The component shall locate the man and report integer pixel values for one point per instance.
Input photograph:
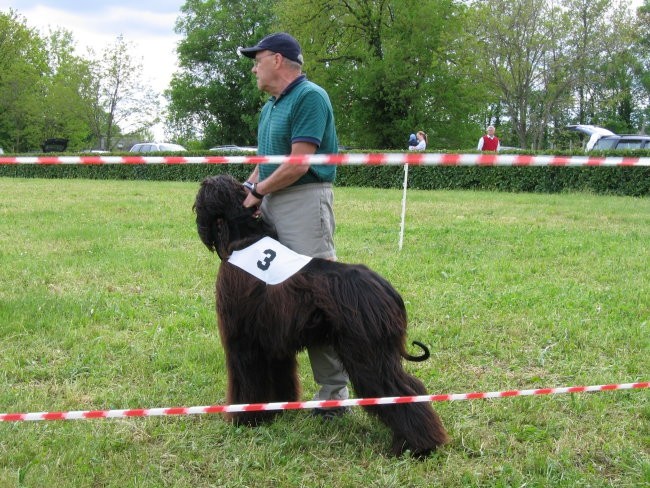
(489, 142)
(297, 199)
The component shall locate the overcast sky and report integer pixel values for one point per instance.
(147, 25)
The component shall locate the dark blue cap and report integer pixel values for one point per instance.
(280, 42)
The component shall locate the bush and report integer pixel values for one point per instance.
(629, 181)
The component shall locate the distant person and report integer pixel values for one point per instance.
(489, 142)
(421, 142)
(413, 140)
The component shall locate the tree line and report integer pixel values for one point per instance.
(448, 67)
(47, 90)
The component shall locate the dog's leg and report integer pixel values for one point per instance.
(378, 372)
(249, 381)
(284, 377)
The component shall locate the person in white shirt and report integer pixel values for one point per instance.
(422, 142)
(489, 142)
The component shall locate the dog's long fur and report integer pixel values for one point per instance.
(349, 307)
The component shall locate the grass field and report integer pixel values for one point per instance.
(106, 302)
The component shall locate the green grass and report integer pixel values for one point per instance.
(106, 302)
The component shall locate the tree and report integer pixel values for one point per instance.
(589, 24)
(642, 41)
(388, 67)
(624, 73)
(526, 62)
(22, 67)
(121, 103)
(214, 95)
(65, 113)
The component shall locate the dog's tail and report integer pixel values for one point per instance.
(422, 357)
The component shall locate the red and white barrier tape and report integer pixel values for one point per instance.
(415, 159)
(256, 407)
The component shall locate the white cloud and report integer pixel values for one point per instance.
(149, 34)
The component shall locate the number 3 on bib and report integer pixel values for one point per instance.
(270, 256)
(257, 258)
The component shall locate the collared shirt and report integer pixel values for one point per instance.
(302, 113)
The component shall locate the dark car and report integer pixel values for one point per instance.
(622, 142)
(601, 139)
(56, 144)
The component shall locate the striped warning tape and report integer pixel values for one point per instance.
(256, 407)
(374, 159)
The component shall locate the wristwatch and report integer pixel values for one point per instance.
(252, 187)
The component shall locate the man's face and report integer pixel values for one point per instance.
(263, 67)
(490, 131)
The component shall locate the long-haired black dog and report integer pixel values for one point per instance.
(349, 307)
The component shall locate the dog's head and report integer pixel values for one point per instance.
(221, 218)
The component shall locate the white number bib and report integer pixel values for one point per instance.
(269, 261)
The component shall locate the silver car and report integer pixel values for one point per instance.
(157, 147)
(233, 148)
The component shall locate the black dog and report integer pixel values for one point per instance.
(349, 307)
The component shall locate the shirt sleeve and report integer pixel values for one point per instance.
(309, 119)
(480, 144)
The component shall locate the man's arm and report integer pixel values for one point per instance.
(285, 175)
(255, 175)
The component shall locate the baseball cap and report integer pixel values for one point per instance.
(280, 42)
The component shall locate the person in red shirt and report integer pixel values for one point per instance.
(489, 142)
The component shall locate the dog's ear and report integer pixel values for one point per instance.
(215, 235)
(207, 215)
(221, 238)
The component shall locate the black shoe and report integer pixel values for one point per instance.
(328, 414)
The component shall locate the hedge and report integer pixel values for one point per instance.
(629, 181)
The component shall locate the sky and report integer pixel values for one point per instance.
(147, 25)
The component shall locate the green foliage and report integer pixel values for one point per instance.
(47, 91)
(22, 66)
(389, 67)
(630, 181)
(215, 94)
(128, 172)
(617, 181)
(67, 108)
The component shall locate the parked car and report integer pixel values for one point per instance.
(233, 148)
(601, 139)
(157, 147)
(56, 144)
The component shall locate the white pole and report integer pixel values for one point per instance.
(401, 232)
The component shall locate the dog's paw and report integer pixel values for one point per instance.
(250, 419)
(401, 447)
